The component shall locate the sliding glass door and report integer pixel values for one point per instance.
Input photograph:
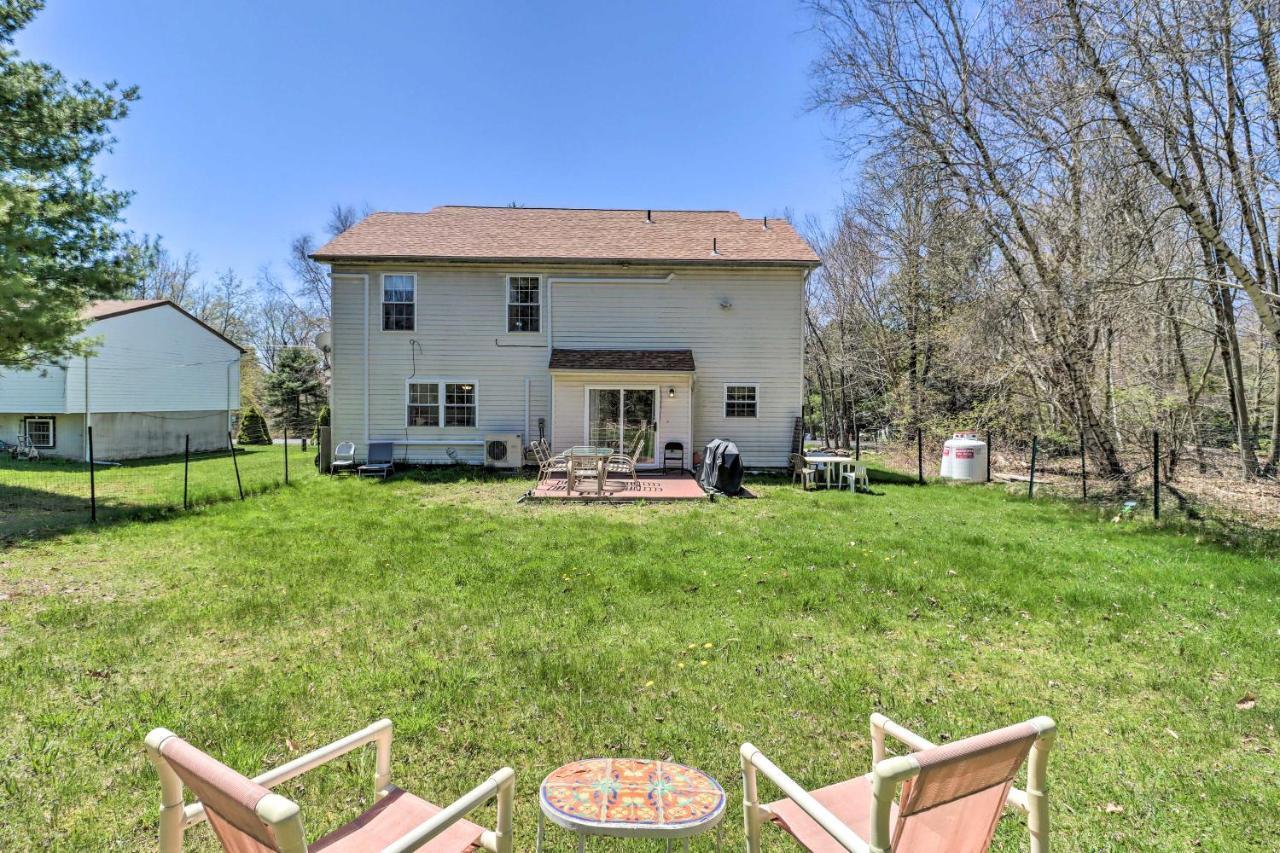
(616, 418)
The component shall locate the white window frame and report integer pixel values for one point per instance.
(441, 384)
(409, 404)
(507, 303)
(53, 431)
(382, 302)
(755, 386)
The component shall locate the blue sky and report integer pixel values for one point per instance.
(257, 116)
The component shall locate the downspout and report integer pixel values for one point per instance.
(366, 362)
(527, 380)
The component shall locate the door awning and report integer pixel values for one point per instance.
(652, 360)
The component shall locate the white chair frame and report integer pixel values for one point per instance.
(889, 774)
(858, 476)
(285, 818)
(344, 457)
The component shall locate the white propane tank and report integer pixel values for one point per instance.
(964, 458)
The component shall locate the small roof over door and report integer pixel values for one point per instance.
(663, 360)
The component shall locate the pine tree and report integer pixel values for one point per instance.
(58, 222)
(295, 391)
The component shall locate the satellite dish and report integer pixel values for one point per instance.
(324, 341)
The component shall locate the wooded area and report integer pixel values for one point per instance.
(1066, 224)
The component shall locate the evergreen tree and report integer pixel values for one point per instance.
(322, 420)
(60, 247)
(295, 391)
(253, 427)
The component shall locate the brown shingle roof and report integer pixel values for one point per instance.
(561, 234)
(111, 307)
(622, 359)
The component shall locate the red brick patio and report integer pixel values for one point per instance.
(650, 487)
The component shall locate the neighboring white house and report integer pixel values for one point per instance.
(156, 375)
(463, 323)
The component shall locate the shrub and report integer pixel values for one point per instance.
(253, 427)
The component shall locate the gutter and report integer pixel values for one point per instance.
(508, 261)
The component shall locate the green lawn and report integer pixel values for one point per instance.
(53, 494)
(494, 633)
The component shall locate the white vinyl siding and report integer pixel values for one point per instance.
(464, 337)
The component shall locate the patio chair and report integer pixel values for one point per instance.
(247, 818)
(380, 462)
(951, 799)
(548, 464)
(858, 477)
(344, 458)
(620, 463)
(801, 471)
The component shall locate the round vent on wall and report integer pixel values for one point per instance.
(496, 451)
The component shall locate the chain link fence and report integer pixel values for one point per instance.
(40, 495)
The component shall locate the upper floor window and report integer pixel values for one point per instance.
(740, 401)
(524, 313)
(397, 302)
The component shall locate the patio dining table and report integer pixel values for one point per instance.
(586, 456)
(830, 462)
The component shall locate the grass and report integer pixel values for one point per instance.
(53, 494)
(494, 633)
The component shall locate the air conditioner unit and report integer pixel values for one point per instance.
(504, 451)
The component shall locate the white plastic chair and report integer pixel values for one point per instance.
(858, 477)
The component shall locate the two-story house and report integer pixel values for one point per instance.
(583, 326)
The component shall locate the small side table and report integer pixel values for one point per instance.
(631, 798)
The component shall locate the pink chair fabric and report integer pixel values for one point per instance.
(389, 820)
(229, 798)
(849, 801)
(952, 806)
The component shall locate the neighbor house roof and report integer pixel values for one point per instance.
(107, 308)
(505, 234)
(622, 359)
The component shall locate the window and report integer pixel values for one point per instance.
(424, 404)
(39, 431)
(524, 314)
(740, 401)
(433, 404)
(459, 404)
(397, 302)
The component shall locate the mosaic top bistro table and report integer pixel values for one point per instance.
(631, 798)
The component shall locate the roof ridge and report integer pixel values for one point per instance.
(566, 209)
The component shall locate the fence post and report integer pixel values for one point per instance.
(919, 456)
(1155, 474)
(1084, 477)
(857, 440)
(186, 466)
(1035, 449)
(988, 456)
(234, 464)
(286, 455)
(93, 486)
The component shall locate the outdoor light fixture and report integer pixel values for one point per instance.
(671, 391)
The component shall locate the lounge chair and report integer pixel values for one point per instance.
(344, 458)
(952, 795)
(380, 462)
(801, 471)
(247, 818)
